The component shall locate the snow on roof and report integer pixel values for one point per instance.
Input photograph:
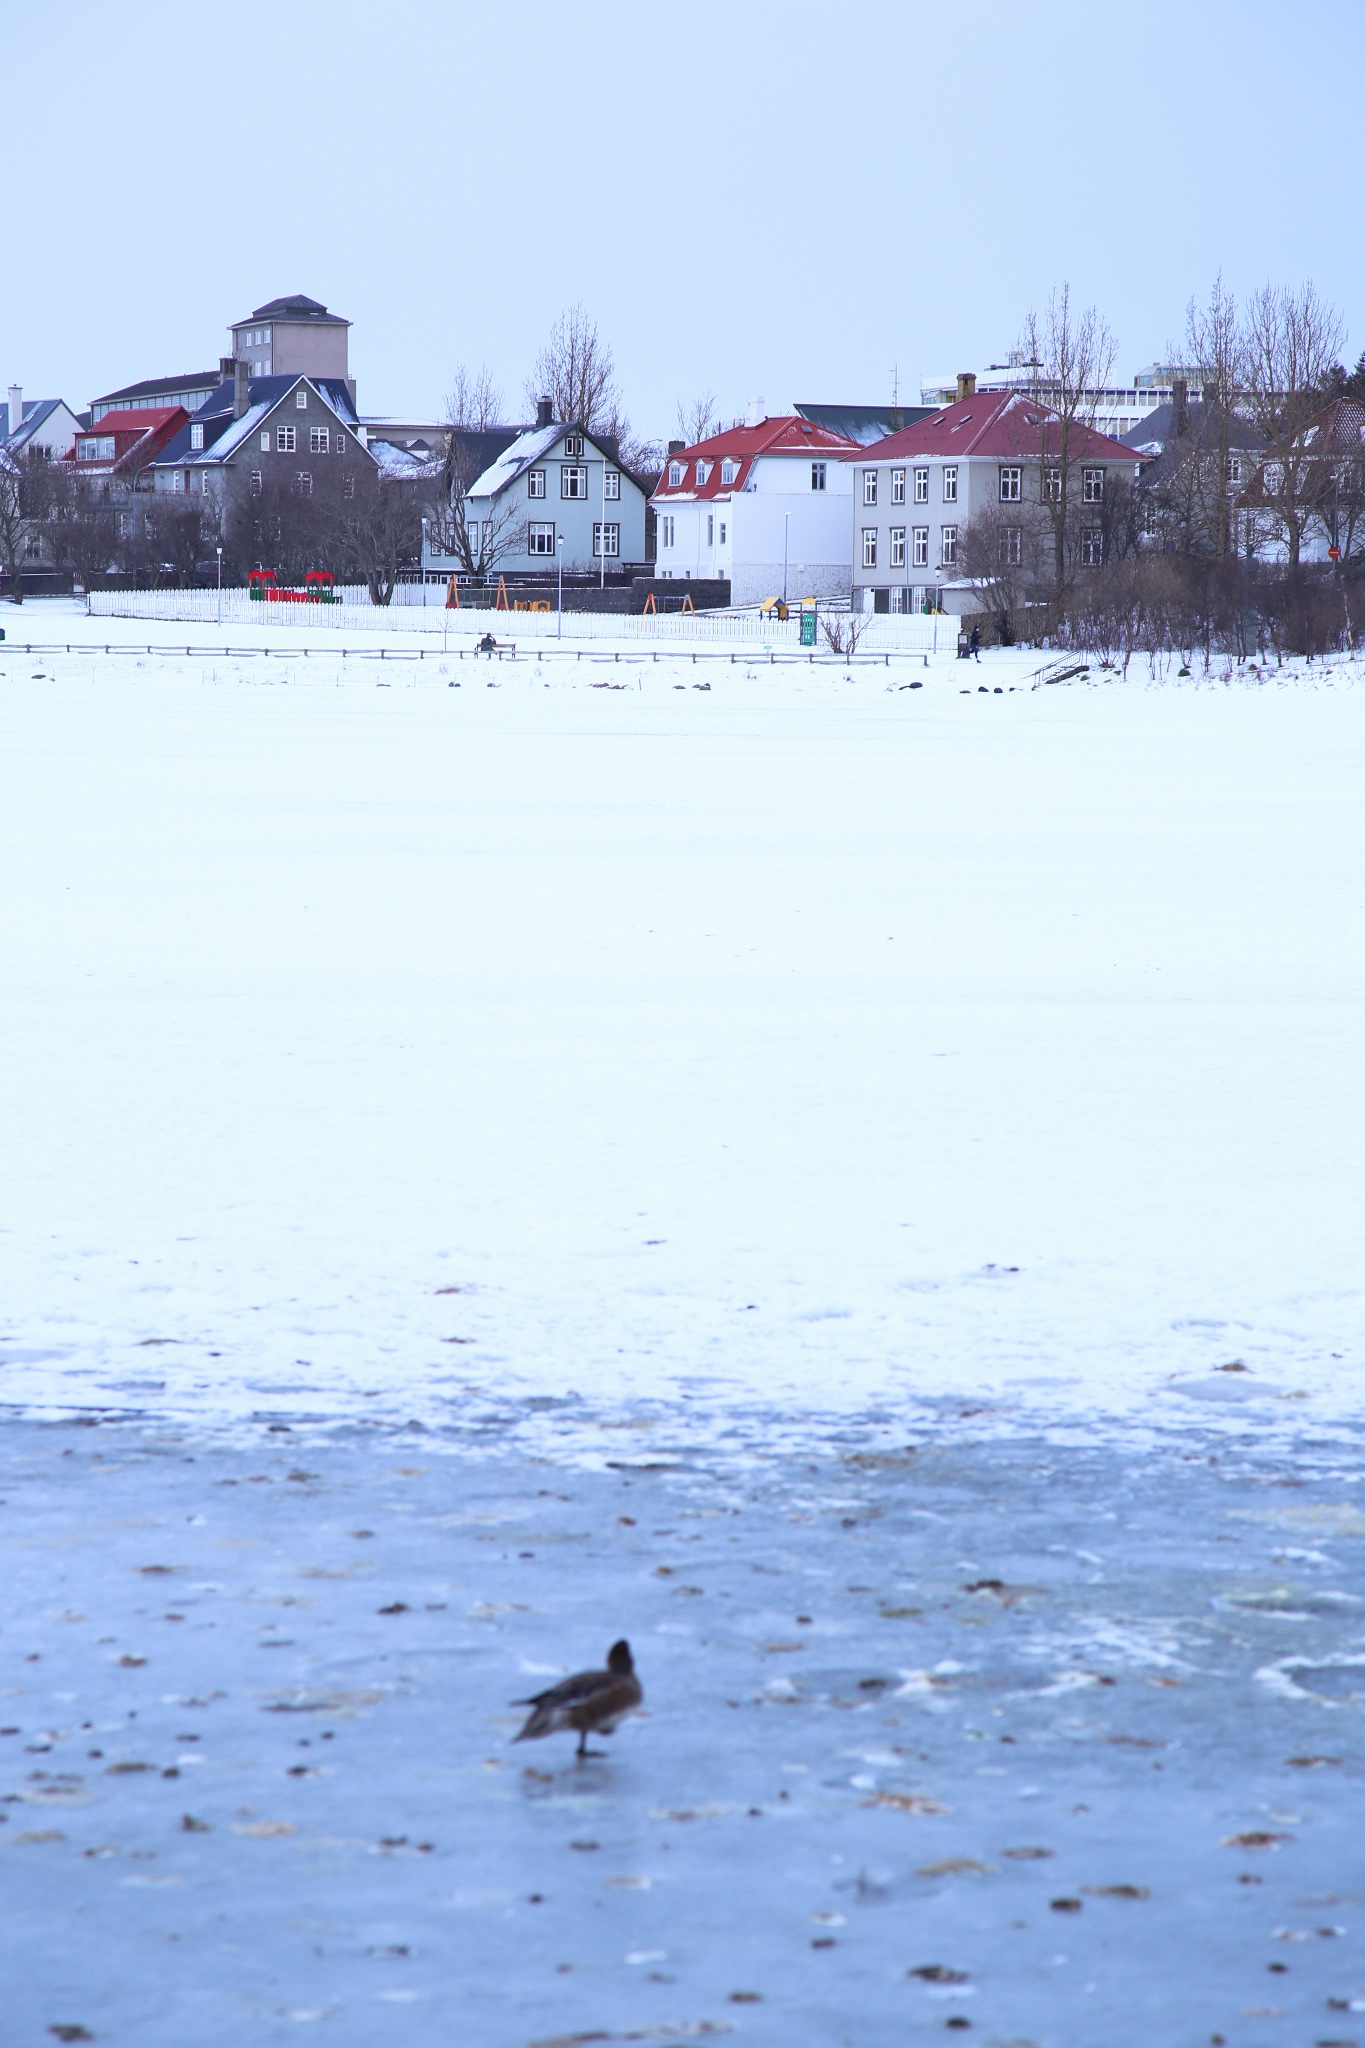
(742, 447)
(36, 410)
(526, 449)
(993, 423)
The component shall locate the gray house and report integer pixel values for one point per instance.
(290, 430)
(557, 493)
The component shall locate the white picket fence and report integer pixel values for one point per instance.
(894, 633)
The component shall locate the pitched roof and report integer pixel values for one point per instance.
(1003, 424)
(296, 306)
(530, 445)
(1157, 429)
(224, 435)
(153, 387)
(864, 423)
(36, 410)
(136, 419)
(788, 434)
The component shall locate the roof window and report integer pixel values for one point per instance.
(675, 474)
(703, 471)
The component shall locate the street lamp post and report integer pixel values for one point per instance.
(786, 527)
(220, 586)
(424, 563)
(559, 564)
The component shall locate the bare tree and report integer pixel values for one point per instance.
(575, 372)
(84, 530)
(699, 420)
(1214, 346)
(1006, 551)
(1291, 345)
(478, 539)
(15, 523)
(474, 401)
(381, 532)
(1071, 355)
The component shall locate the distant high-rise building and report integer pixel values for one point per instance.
(293, 337)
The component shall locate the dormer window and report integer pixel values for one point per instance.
(703, 471)
(573, 445)
(675, 474)
(196, 437)
(728, 471)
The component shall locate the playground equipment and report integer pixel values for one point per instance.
(318, 588)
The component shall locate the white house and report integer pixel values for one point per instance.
(559, 492)
(765, 506)
(47, 425)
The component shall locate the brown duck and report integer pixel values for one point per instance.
(589, 1701)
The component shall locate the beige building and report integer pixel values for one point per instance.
(293, 337)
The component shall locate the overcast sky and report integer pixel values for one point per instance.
(752, 200)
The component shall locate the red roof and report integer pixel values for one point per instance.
(134, 419)
(788, 435)
(1004, 424)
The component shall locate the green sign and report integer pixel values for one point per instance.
(808, 628)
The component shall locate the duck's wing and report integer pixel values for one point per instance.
(571, 1692)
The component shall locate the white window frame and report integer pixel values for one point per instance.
(573, 446)
(303, 482)
(950, 483)
(702, 470)
(898, 486)
(265, 440)
(535, 483)
(1011, 546)
(666, 530)
(710, 529)
(540, 539)
(729, 470)
(573, 481)
(1234, 471)
(898, 547)
(341, 444)
(286, 439)
(1052, 483)
(948, 546)
(319, 441)
(921, 486)
(1092, 546)
(1011, 483)
(611, 486)
(1092, 486)
(869, 547)
(197, 436)
(675, 474)
(301, 400)
(869, 489)
(256, 483)
(919, 546)
(610, 532)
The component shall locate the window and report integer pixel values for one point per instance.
(255, 483)
(666, 530)
(1092, 486)
(869, 547)
(919, 540)
(675, 474)
(265, 441)
(703, 471)
(301, 399)
(817, 476)
(950, 484)
(285, 439)
(348, 487)
(573, 480)
(948, 554)
(540, 538)
(710, 529)
(898, 547)
(341, 444)
(319, 439)
(1092, 546)
(535, 483)
(1012, 547)
(606, 539)
(573, 445)
(869, 486)
(1011, 484)
(898, 486)
(177, 480)
(921, 486)
(1052, 486)
(611, 484)
(471, 530)
(722, 533)
(729, 470)
(304, 483)
(196, 437)
(1234, 469)
(1151, 526)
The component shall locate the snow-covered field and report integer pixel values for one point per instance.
(789, 1046)
(853, 1186)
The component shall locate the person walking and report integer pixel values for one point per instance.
(975, 643)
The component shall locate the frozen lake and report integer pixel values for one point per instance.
(855, 1188)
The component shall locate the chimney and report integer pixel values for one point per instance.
(756, 413)
(1210, 394)
(966, 384)
(1180, 408)
(241, 389)
(16, 408)
(545, 411)
(676, 447)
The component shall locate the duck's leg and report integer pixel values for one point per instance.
(583, 1750)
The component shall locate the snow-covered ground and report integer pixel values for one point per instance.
(855, 1187)
(788, 1046)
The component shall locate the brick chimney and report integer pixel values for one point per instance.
(241, 389)
(545, 411)
(966, 384)
(676, 447)
(16, 408)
